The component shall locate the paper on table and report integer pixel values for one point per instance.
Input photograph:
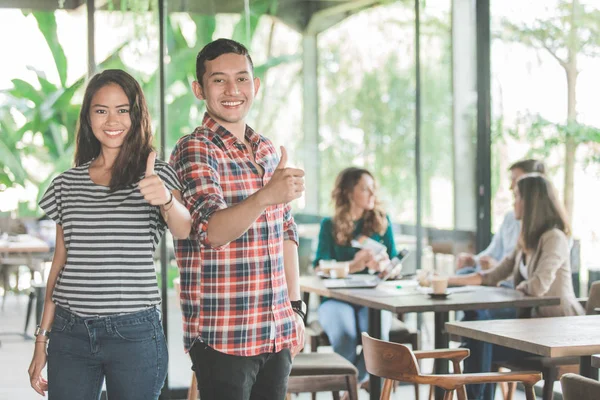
(365, 242)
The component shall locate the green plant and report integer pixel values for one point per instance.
(571, 31)
(48, 108)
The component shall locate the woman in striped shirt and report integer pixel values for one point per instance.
(101, 310)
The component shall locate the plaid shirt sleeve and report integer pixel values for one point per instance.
(290, 231)
(197, 168)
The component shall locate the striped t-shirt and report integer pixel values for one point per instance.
(110, 240)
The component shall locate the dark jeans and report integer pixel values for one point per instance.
(226, 377)
(128, 350)
(484, 354)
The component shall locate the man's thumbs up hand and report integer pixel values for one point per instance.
(286, 184)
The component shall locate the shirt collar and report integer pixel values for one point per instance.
(228, 138)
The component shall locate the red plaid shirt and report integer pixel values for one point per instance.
(233, 297)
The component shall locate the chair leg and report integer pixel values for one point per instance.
(352, 385)
(416, 391)
(313, 396)
(449, 394)
(550, 375)
(386, 392)
(29, 308)
(510, 390)
(529, 392)
(193, 390)
(336, 395)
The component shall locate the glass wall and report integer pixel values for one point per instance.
(544, 106)
(366, 94)
(367, 103)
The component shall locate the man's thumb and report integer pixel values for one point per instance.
(150, 164)
(283, 159)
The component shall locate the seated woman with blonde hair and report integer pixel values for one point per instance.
(540, 266)
(357, 212)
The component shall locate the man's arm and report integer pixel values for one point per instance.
(292, 269)
(228, 224)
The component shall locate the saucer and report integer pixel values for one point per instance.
(324, 275)
(439, 296)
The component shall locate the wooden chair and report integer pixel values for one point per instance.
(551, 368)
(320, 372)
(399, 333)
(396, 362)
(576, 387)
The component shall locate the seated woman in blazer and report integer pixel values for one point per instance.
(540, 266)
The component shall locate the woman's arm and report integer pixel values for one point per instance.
(503, 270)
(388, 239)
(473, 279)
(39, 356)
(177, 217)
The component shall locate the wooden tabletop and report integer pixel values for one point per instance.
(24, 244)
(548, 337)
(596, 361)
(405, 300)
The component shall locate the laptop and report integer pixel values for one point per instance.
(363, 281)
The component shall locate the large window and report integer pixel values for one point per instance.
(544, 106)
(367, 103)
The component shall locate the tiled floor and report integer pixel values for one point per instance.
(16, 352)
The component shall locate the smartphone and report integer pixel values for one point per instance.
(395, 266)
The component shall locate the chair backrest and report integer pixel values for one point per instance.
(576, 387)
(388, 360)
(593, 301)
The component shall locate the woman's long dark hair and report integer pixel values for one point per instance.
(374, 221)
(542, 211)
(130, 163)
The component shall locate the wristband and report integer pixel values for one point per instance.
(170, 200)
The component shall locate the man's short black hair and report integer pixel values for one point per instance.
(528, 166)
(217, 48)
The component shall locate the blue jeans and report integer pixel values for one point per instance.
(129, 350)
(343, 324)
(484, 354)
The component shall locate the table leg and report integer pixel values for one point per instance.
(586, 369)
(40, 297)
(374, 331)
(440, 342)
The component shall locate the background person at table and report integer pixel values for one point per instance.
(540, 266)
(111, 210)
(505, 239)
(357, 211)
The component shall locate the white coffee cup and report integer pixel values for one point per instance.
(335, 269)
(439, 284)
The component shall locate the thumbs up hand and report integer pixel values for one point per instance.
(152, 187)
(286, 184)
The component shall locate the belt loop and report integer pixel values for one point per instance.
(157, 308)
(109, 326)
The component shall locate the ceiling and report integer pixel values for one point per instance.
(307, 16)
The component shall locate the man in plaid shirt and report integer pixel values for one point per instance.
(243, 317)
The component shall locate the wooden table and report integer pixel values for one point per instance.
(596, 361)
(408, 300)
(548, 337)
(25, 244)
(24, 250)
